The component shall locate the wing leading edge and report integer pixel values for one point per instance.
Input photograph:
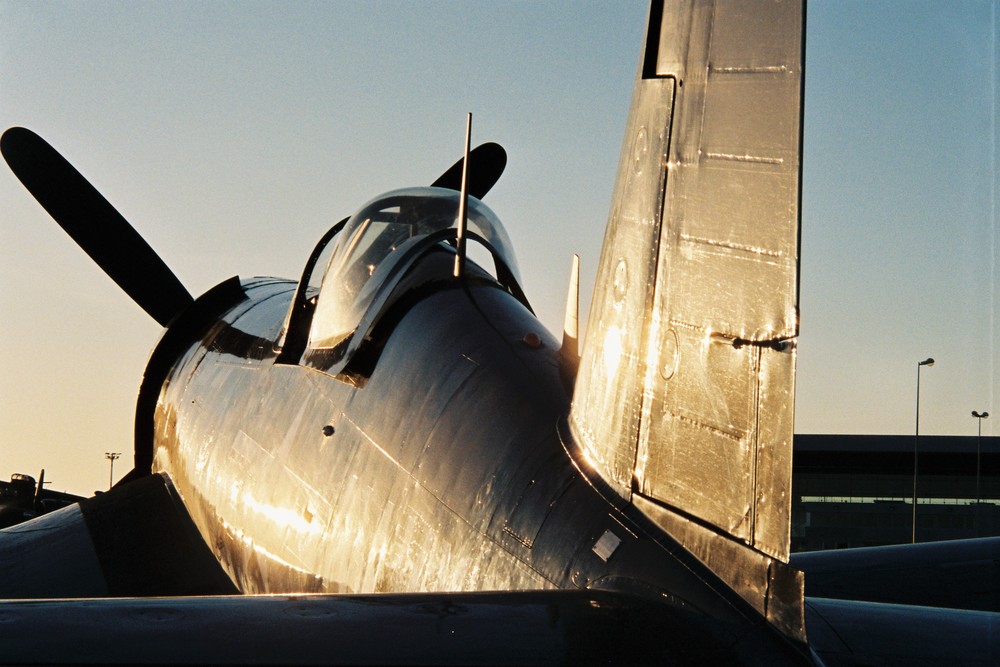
(555, 627)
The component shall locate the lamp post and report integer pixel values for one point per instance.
(980, 416)
(111, 456)
(916, 435)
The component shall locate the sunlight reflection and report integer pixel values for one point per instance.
(282, 516)
(612, 350)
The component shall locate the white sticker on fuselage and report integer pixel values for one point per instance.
(606, 545)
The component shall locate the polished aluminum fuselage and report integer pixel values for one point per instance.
(306, 482)
(446, 467)
(372, 506)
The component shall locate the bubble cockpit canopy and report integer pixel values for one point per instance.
(382, 240)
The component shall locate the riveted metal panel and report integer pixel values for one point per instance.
(608, 395)
(715, 439)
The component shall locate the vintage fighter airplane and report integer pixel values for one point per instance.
(24, 498)
(397, 434)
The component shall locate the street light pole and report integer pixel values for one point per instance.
(916, 435)
(111, 456)
(979, 437)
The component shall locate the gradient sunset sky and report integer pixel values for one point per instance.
(232, 135)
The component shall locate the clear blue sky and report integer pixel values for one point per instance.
(232, 135)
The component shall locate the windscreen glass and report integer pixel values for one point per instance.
(376, 239)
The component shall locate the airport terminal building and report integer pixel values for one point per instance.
(857, 490)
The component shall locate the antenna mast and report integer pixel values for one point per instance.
(462, 203)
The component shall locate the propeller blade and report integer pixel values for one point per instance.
(94, 224)
(486, 164)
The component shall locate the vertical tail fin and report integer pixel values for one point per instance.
(683, 401)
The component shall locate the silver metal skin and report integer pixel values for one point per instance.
(411, 470)
(443, 468)
(371, 507)
(684, 401)
(404, 430)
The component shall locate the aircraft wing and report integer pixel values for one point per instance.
(849, 632)
(137, 540)
(503, 628)
(932, 603)
(957, 574)
(150, 553)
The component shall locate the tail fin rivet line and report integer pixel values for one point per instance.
(669, 354)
